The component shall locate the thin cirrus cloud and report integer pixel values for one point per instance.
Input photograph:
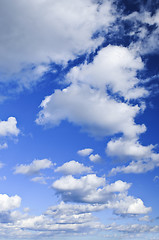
(33, 168)
(73, 167)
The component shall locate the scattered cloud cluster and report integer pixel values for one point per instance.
(93, 189)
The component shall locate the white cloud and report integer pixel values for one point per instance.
(133, 228)
(8, 203)
(3, 146)
(128, 205)
(128, 148)
(138, 166)
(148, 40)
(73, 209)
(4, 178)
(87, 101)
(8, 128)
(40, 180)
(95, 158)
(144, 218)
(73, 213)
(1, 164)
(156, 178)
(114, 67)
(29, 23)
(73, 167)
(94, 190)
(97, 113)
(89, 189)
(33, 168)
(143, 157)
(85, 152)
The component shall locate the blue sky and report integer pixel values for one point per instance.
(79, 96)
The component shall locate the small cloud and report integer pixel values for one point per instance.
(144, 218)
(156, 178)
(26, 209)
(3, 146)
(4, 178)
(85, 152)
(34, 167)
(9, 127)
(1, 164)
(73, 167)
(95, 158)
(40, 180)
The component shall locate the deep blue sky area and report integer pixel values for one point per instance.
(79, 94)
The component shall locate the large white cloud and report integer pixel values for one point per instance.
(94, 190)
(39, 32)
(96, 112)
(33, 168)
(90, 188)
(87, 102)
(114, 68)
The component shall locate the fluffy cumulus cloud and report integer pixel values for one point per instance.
(73, 167)
(129, 148)
(143, 157)
(9, 128)
(93, 189)
(128, 205)
(95, 158)
(99, 115)
(114, 68)
(29, 23)
(8, 203)
(85, 152)
(33, 168)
